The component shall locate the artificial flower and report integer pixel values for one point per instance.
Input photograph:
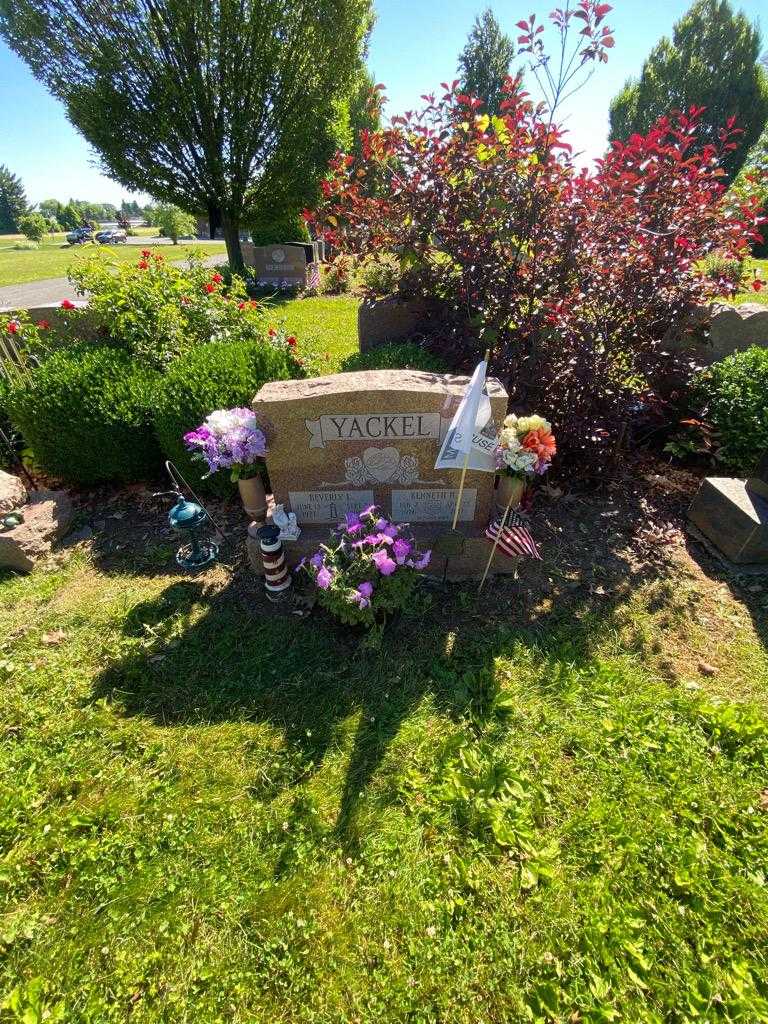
(542, 443)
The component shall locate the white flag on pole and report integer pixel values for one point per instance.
(472, 430)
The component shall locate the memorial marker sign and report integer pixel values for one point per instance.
(337, 444)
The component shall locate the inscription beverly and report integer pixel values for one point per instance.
(327, 506)
(414, 426)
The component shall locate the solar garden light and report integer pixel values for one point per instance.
(187, 518)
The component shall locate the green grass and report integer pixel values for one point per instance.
(210, 813)
(749, 294)
(326, 328)
(53, 259)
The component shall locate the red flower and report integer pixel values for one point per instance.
(145, 254)
(217, 278)
(13, 327)
(209, 287)
(291, 341)
(159, 257)
(43, 325)
(241, 305)
(757, 284)
(271, 332)
(142, 264)
(66, 304)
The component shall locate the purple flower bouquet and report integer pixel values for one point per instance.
(228, 439)
(368, 570)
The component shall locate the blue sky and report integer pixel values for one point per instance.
(413, 48)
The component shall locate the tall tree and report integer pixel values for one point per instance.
(485, 60)
(13, 201)
(207, 104)
(712, 61)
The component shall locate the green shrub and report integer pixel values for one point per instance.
(5, 424)
(216, 376)
(281, 229)
(734, 398)
(175, 223)
(336, 276)
(731, 273)
(34, 226)
(378, 275)
(86, 413)
(406, 356)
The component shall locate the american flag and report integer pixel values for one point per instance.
(515, 538)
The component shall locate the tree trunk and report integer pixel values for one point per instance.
(214, 220)
(231, 228)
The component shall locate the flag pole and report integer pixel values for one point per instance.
(502, 524)
(486, 357)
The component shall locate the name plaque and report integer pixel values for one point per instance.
(327, 506)
(435, 505)
(373, 426)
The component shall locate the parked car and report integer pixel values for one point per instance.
(111, 236)
(79, 235)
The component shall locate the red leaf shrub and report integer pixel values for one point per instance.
(572, 277)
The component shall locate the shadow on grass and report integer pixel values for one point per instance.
(230, 656)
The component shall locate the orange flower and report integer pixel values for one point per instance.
(541, 442)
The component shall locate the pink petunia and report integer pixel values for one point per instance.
(401, 549)
(324, 578)
(362, 595)
(384, 563)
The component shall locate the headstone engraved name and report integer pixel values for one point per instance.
(337, 444)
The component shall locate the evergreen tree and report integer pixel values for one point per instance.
(485, 60)
(712, 61)
(13, 202)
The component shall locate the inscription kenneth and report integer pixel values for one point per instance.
(434, 505)
(413, 426)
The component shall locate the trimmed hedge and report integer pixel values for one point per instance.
(86, 413)
(5, 424)
(405, 356)
(734, 396)
(219, 375)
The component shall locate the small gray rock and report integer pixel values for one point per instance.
(13, 493)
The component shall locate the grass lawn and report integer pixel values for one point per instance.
(326, 327)
(548, 805)
(750, 295)
(53, 259)
(213, 813)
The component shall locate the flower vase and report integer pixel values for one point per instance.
(254, 498)
(509, 492)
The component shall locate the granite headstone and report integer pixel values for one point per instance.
(337, 444)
